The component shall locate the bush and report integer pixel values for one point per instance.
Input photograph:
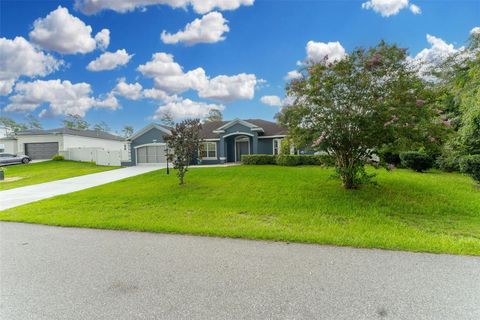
(304, 160)
(58, 157)
(448, 163)
(390, 157)
(258, 159)
(471, 166)
(288, 160)
(417, 161)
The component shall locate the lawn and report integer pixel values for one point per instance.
(33, 173)
(430, 212)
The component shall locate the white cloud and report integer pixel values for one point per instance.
(273, 101)
(389, 8)
(63, 97)
(318, 52)
(132, 91)
(60, 31)
(475, 30)
(187, 108)
(20, 58)
(110, 60)
(157, 94)
(209, 29)
(199, 6)
(294, 74)
(170, 78)
(103, 39)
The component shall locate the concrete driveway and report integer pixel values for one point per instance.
(23, 195)
(68, 273)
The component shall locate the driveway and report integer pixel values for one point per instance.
(23, 195)
(68, 273)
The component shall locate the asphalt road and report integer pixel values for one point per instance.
(68, 273)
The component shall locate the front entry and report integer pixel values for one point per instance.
(242, 146)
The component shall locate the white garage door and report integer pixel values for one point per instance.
(151, 154)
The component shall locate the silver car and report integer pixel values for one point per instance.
(8, 158)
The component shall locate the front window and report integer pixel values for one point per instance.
(208, 150)
(276, 146)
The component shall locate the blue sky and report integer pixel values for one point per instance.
(265, 40)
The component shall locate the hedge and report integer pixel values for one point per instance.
(471, 166)
(288, 160)
(258, 159)
(416, 160)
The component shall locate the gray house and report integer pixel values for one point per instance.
(222, 141)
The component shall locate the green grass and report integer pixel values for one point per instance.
(34, 173)
(430, 212)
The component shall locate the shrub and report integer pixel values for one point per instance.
(288, 160)
(448, 163)
(471, 166)
(416, 160)
(258, 159)
(390, 157)
(58, 157)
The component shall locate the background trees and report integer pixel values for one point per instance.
(354, 107)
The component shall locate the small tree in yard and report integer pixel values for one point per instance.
(355, 106)
(183, 142)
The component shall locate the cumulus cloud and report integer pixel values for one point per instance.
(273, 101)
(389, 8)
(20, 58)
(60, 31)
(318, 52)
(291, 75)
(103, 39)
(200, 6)
(209, 29)
(169, 77)
(186, 108)
(132, 91)
(63, 97)
(110, 60)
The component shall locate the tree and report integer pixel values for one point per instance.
(355, 106)
(101, 126)
(214, 115)
(166, 118)
(11, 125)
(127, 131)
(74, 121)
(183, 143)
(33, 122)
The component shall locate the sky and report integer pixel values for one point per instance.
(126, 62)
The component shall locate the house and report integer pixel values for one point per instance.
(43, 144)
(221, 141)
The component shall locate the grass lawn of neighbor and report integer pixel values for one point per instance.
(429, 212)
(34, 173)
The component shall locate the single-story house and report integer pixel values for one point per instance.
(43, 144)
(221, 141)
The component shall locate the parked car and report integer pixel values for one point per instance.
(8, 158)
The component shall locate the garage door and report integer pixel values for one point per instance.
(151, 154)
(44, 150)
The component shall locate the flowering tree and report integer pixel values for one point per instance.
(183, 142)
(352, 107)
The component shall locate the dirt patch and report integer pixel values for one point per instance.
(10, 179)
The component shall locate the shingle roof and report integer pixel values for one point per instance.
(269, 128)
(74, 132)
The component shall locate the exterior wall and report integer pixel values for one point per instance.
(265, 146)
(70, 141)
(9, 145)
(146, 138)
(210, 161)
(21, 140)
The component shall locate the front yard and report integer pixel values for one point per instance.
(431, 212)
(33, 173)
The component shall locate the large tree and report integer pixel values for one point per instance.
(214, 115)
(353, 107)
(127, 131)
(166, 118)
(11, 125)
(183, 144)
(101, 126)
(74, 121)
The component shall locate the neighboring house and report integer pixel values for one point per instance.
(222, 141)
(43, 144)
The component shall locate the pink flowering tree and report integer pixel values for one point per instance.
(352, 107)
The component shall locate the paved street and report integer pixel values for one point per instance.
(68, 273)
(23, 195)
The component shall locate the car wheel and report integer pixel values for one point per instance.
(25, 161)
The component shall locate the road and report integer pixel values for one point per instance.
(69, 273)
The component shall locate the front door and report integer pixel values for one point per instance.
(242, 147)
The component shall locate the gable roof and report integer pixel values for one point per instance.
(150, 127)
(211, 130)
(74, 132)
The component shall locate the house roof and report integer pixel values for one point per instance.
(74, 132)
(269, 128)
(160, 127)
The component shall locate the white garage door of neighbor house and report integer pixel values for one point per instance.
(151, 154)
(44, 150)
